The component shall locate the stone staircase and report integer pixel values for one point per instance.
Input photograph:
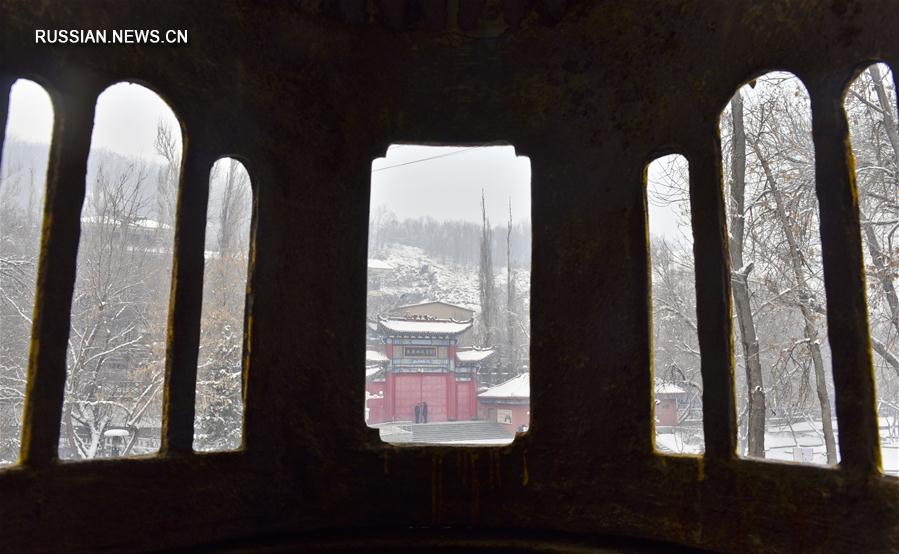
(449, 432)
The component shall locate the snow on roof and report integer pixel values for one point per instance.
(474, 355)
(517, 387)
(374, 356)
(668, 388)
(378, 264)
(116, 433)
(429, 302)
(425, 326)
(372, 371)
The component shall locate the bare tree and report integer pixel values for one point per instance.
(485, 278)
(745, 322)
(116, 344)
(805, 298)
(871, 110)
(781, 240)
(511, 315)
(675, 338)
(168, 146)
(219, 383)
(878, 186)
(19, 236)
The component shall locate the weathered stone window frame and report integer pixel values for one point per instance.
(590, 96)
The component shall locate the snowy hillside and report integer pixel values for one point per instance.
(417, 277)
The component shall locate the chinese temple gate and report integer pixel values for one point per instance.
(423, 381)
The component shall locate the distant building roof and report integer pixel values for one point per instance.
(373, 356)
(142, 222)
(429, 302)
(116, 433)
(668, 388)
(424, 326)
(378, 264)
(517, 387)
(475, 355)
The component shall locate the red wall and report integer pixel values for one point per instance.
(463, 400)
(520, 415)
(414, 388)
(375, 405)
(375, 410)
(375, 387)
(447, 399)
(466, 403)
(666, 412)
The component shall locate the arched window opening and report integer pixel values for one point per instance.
(219, 413)
(23, 177)
(784, 383)
(116, 354)
(448, 324)
(871, 110)
(677, 381)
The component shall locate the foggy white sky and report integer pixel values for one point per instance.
(30, 117)
(448, 187)
(412, 181)
(125, 119)
(445, 182)
(667, 218)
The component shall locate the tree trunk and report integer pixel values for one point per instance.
(808, 314)
(70, 429)
(510, 299)
(884, 272)
(882, 349)
(755, 433)
(821, 388)
(889, 121)
(486, 288)
(486, 276)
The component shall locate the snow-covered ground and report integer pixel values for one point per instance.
(889, 453)
(803, 441)
(482, 442)
(680, 440)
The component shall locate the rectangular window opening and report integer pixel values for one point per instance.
(448, 324)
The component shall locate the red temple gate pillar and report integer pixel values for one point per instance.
(451, 407)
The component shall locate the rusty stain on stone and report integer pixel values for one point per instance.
(524, 468)
(474, 485)
(436, 485)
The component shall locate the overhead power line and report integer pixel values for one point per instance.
(427, 159)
